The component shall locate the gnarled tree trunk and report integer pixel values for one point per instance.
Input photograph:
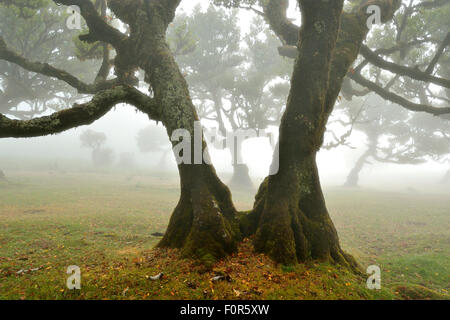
(294, 224)
(204, 223)
(290, 219)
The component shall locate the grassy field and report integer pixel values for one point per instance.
(103, 223)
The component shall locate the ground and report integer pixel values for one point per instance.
(104, 222)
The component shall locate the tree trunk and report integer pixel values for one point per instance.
(353, 177)
(293, 224)
(241, 178)
(204, 224)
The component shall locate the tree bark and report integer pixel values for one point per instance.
(290, 219)
(204, 224)
(294, 224)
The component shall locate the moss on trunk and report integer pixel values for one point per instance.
(293, 224)
(290, 219)
(204, 224)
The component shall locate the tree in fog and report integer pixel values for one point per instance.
(34, 31)
(102, 156)
(290, 221)
(395, 135)
(153, 139)
(231, 76)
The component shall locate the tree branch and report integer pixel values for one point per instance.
(413, 73)
(47, 70)
(275, 13)
(387, 95)
(99, 30)
(79, 114)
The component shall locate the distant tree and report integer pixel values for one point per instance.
(290, 220)
(101, 156)
(238, 82)
(394, 135)
(154, 139)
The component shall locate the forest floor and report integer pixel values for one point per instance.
(104, 223)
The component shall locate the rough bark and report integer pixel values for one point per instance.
(290, 219)
(294, 224)
(204, 223)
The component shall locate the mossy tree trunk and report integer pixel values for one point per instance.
(204, 223)
(290, 219)
(294, 224)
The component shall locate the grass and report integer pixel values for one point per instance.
(103, 224)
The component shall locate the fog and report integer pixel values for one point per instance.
(121, 127)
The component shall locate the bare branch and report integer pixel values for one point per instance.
(438, 54)
(413, 73)
(387, 95)
(47, 70)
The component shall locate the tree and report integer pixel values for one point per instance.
(101, 156)
(154, 139)
(34, 33)
(204, 223)
(238, 82)
(395, 135)
(290, 219)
